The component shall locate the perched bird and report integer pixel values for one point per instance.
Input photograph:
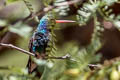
(39, 40)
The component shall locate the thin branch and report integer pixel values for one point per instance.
(95, 65)
(67, 56)
(46, 9)
(17, 48)
(31, 54)
(4, 68)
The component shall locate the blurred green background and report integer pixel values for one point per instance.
(15, 30)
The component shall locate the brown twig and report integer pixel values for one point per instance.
(67, 56)
(31, 54)
(17, 48)
(98, 66)
(4, 67)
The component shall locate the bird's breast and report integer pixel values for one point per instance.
(40, 41)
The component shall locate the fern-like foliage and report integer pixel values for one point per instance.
(51, 49)
(62, 10)
(87, 11)
(76, 67)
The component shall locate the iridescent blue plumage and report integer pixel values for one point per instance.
(42, 27)
(38, 43)
(40, 37)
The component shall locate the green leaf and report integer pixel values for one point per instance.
(20, 29)
(3, 23)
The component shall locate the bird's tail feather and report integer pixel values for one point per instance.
(32, 67)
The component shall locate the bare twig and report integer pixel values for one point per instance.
(31, 54)
(17, 48)
(4, 68)
(67, 56)
(95, 65)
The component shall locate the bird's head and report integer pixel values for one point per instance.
(50, 21)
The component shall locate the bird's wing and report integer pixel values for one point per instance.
(30, 45)
(31, 65)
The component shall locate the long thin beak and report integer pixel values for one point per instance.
(64, 21)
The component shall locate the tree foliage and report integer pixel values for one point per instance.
(80, 58)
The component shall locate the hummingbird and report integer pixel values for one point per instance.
(39, 40)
